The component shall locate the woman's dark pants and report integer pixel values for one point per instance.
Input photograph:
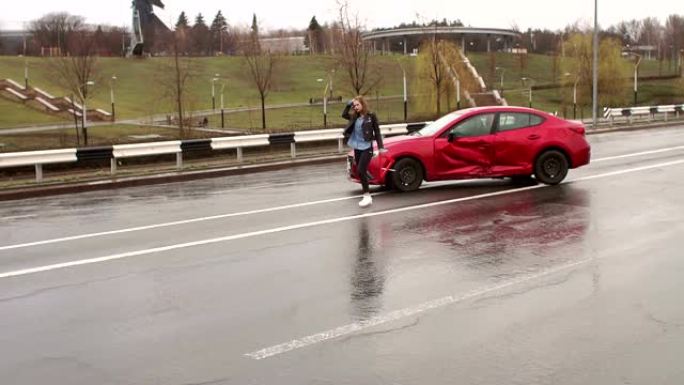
(362, 159)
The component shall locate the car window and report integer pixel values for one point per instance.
(474, 126)
(438, 124)
(512, 120)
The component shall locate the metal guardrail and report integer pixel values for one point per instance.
(38, 159)
(178, 147)
(628, 112)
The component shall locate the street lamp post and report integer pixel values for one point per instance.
(332, 75)
(213, 91)
(530, 102)
(502, 79)
(111, 96)
(458, 94)
(325, 101)
(85, 110)
(530, 80)
(574, 95)
(405, 95)
(574, 98)
(594, 92)
(222, 116)
(636, 73)
(26, 76)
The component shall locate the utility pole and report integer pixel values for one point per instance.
(594, 96)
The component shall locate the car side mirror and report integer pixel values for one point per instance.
(451, 137)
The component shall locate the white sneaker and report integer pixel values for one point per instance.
(366, 200)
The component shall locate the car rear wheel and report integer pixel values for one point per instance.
(407, 175)
(551, 167)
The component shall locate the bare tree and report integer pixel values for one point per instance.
(434, 69)
(78, 73)
(614, 71)
(56, 29)
(355, 57)
(175, 75)
(261, 65)
(674, 29)
(112, 42)
(652, 34)
(630, 31)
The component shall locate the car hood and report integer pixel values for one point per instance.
(388, 142)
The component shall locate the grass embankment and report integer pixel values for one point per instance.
(97, 136)
(15, 115)
(140, 87)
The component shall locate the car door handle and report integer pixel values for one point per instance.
(533, 137)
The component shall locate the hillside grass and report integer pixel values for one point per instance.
(97, 136)
(140, 89)
(140, 85)
(14, 114)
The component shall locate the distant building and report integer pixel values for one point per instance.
(285, 45)
(646, 51)
(406, 39)
(13, 42)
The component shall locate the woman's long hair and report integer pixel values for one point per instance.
(364, 106)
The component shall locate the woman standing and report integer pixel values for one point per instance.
(360, 133)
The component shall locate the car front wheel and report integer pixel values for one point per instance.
(551, 167)
(407, 175)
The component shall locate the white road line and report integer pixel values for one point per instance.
(175, 223)
(79, 262)
(248, 235)
(651, 152)
(259, 211)
(417, 309)
(13, 217)
(400, 314)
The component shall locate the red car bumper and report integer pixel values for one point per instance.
(378, 167)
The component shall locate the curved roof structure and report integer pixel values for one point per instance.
(460, 31)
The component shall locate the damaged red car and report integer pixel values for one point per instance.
(482, 142)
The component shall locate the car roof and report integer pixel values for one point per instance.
(502, 109)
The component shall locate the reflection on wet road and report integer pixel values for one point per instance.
(259, 280)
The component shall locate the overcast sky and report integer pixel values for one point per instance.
(275, 14)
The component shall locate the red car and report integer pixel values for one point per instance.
(481, 142)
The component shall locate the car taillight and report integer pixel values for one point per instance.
(578, 129)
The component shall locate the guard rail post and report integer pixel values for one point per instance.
(179, 160)
(39, 172)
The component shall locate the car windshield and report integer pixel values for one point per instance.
(438, 124)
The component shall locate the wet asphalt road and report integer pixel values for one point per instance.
(279, 278)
